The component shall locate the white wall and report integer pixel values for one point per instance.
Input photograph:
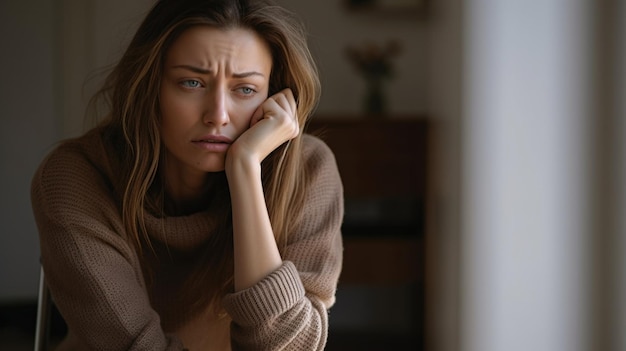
(29, 127)
(92, 37)
(445, 52)
(620, 258)
(617, 320)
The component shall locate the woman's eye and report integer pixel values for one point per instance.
(191, 83)
(247, 90)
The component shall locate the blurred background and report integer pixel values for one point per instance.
(481, 143)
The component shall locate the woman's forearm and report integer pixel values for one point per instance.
(255, 251)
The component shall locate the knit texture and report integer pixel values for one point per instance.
(96, 278)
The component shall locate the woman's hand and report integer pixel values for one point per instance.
(272, 124)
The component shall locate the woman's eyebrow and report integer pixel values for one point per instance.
(247, 74)
(193, 69)
(200, 70)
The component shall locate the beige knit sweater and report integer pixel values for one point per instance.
(96, 278)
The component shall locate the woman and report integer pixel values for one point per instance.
(197, 215)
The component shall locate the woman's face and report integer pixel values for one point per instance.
(213, 82)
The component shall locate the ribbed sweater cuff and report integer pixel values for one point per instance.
(269, 298)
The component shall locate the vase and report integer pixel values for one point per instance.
(374, 100)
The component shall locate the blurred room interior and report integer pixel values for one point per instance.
(481, 146)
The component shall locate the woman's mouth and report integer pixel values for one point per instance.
(213, 143)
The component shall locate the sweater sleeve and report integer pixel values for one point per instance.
(288, 309)
(92, 273)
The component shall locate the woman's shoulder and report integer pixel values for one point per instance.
(316, 150)
(70, 154)
(78, 163)
(319, 160)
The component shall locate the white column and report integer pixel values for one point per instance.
(524, 199)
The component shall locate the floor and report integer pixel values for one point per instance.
(17, 324)
(15, 340)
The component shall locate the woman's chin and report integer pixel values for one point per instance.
(214, 167)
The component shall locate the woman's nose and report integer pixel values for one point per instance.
(215, 108)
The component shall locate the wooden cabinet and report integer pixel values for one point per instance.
(383, 164)
(378, 158)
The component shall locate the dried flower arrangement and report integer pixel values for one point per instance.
(374, 63)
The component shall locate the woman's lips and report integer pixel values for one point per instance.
(213, 143)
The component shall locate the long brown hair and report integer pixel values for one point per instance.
(131, 92)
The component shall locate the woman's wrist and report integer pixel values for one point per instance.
(238, 163)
